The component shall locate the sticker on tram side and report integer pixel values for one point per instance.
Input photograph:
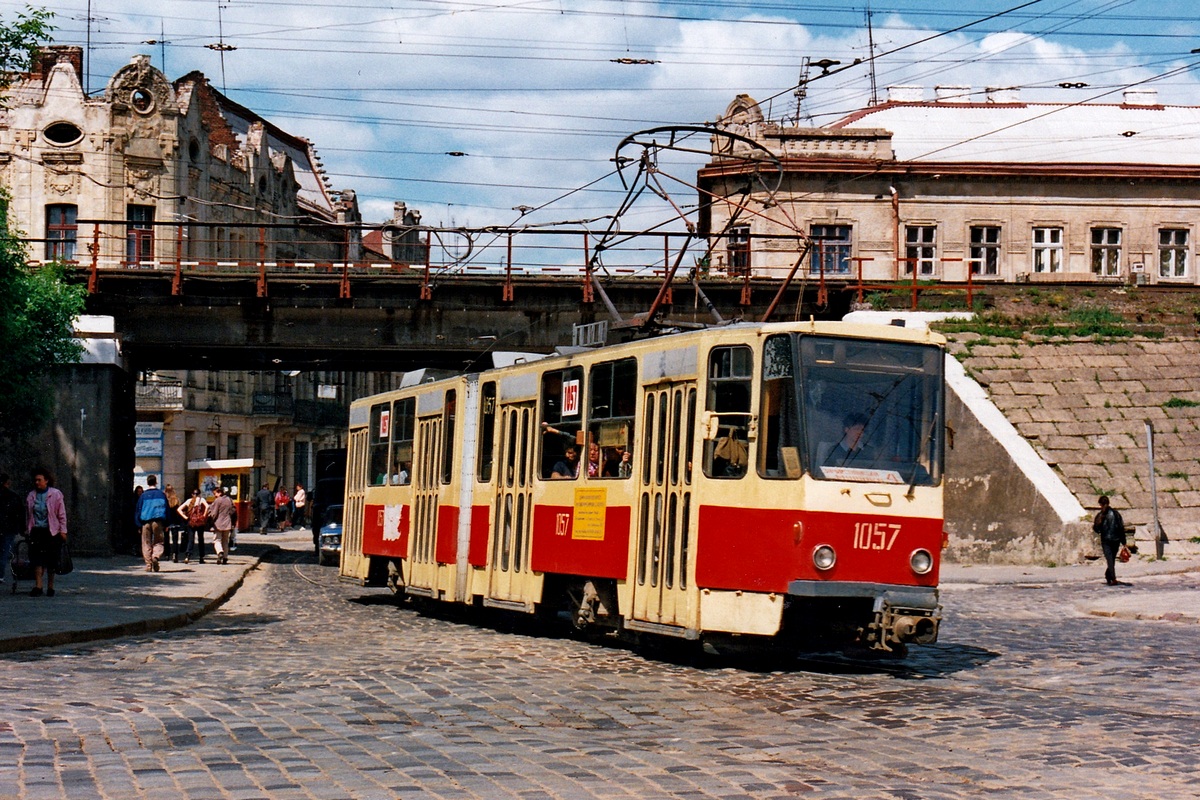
(590, 505)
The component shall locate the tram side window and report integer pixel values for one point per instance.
(487, 430)
(381, 432)
(779, 429)
(730, 371)
(562, 423)
(610, 419)
(449, 412)
(403, 424)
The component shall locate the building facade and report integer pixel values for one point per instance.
(151, 174)
(961, 187)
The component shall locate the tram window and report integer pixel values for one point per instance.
(448, 413)
(403, 424)
(381, 427)
(611, 416)
(562, 421)
(690, 427)
(487, 430)
(779, 437)
(730, 371)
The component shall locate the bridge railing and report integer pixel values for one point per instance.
(425, 253)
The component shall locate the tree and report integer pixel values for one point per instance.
(40, 306)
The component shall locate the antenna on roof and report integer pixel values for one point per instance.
(801, 90)
(220, 46)
(871, 53)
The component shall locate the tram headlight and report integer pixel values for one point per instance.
(921, 562)
(824, 558)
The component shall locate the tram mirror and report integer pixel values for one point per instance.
(711, 422)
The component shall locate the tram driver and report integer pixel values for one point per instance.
(850, 451)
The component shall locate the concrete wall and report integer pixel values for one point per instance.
(88, 447)
(995, 512)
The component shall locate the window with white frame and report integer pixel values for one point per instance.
(1173, 252)
(1047, 249)
(831, 248)
(1106, 251)
(985, 250)
(920, 249)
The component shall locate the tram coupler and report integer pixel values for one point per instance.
(894, 627)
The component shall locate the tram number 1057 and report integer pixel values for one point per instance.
(875, 535)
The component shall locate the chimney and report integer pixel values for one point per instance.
(952, 94)
(1140, 97)
(1002, 94)
(47, 57)
(906, 94)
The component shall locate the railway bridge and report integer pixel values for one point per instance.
(371, 319)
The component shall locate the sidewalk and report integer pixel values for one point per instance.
(104, 598)
(1151, 593)
(109, 597)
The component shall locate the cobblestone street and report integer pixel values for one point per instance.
(306, 687)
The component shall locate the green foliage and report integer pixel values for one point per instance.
(20, 42)
(36, 335)
(1099, 322)
(989, 324)
(1181, 402)
(1177, 475)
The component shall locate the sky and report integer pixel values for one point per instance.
(510, 112)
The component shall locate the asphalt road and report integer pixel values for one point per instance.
(306, 687)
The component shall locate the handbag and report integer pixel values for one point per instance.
(1124, 554)
(65, 565)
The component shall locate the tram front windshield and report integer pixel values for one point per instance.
(872, 411)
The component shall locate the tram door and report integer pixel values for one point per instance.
(661, 591)
(512, 512)
(426, 482)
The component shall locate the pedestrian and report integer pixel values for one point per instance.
(1111, 527)
(46, 527)
(266, 503)
(221, 513)
(12, 521)
(195, 515)
(174, 529)
(281, 508)
(151, 514)
(299, 503)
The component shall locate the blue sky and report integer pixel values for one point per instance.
(538, 93)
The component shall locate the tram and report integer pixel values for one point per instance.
(777, 484)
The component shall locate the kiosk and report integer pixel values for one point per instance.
(235, 474)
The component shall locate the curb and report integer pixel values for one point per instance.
(35, 641)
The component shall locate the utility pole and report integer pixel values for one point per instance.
(871, 54)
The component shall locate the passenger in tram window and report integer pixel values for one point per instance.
(594, 464)
(568, 468)
(619, 463)
(401, 478)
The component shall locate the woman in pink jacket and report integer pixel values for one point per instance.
(45, 522)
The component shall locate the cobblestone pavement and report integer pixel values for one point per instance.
(305, 687)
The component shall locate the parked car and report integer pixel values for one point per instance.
(329, 542)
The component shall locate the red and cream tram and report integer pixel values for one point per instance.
(754, 480)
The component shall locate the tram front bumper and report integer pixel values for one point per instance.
(901, 615)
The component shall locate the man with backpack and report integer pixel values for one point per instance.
(195, 514)
(151, 514)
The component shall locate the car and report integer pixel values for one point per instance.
(329, 541)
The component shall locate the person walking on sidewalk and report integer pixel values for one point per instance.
(1111, 527)
(221, 513)
(195, 516)
(12, 521)
(151, 514)
(45, 523)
